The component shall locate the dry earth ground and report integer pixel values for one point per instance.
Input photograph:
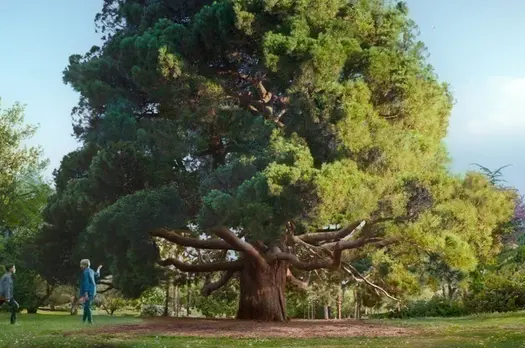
(251, 329)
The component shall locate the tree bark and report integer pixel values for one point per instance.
(176, 305)
(262, 292)
(188, 296)
(167, 307)
(339, 305)
(357, 304)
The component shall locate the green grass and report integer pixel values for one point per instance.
(44, 330)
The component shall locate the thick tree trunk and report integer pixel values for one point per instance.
(188, 296)
(167, 307)
(339, 305)
(357, 303)
(262, 295)
(326, 312)
(176, 301)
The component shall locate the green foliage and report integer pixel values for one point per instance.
(111, 301)
(153, 296)
(498, 290)
(31, 290)
(435, 307)
(21, 187)
(152, 311)
(221, 303)
(121, 227)
(297, 303)
(23, 197)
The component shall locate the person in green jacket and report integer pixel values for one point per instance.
(7, 289)
(88, 288)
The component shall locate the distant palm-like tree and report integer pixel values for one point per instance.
(494, 176)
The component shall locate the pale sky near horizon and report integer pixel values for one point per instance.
(475, 45)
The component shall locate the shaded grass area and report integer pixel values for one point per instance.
(500, 330)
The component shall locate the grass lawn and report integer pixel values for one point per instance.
(45, 330)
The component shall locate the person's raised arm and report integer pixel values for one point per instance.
(97, 273)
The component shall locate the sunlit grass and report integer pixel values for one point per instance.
(62, 330)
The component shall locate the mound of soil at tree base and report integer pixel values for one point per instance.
(252, 329)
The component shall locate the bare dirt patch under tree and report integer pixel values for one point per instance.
(253, 329)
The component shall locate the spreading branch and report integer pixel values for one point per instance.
(350, 269)
(296, 282)
(334, 262)
(324, 236)
(207, 289)
(103, 291)
(358, 277)
(202, 268)
(318, 237)
(105, 282)
(227, 235)
(175, 236)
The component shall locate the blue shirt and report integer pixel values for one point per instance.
(6, 286)
(88, 283)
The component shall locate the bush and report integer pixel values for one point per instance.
(30, 290)
(111, 301)
(60, 298)
(152, 311)
(500, 292)
(155, 296)
(435, 307)
(221, 303)
(495, 291)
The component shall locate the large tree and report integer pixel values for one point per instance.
(275, 136)
(23, 196)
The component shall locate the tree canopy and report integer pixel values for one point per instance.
(295, 134)
(22, 191)
(23, 196)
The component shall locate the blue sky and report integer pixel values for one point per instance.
(475, 45)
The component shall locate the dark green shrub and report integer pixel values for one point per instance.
(435, 307)
(500, 292)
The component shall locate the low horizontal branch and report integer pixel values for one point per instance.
(105, 282)
(175, 236)
(334, 262)
(235, 242)
(103, 291)
(207, 289)
(202, 268)
(358, 277)
(324, 236)
(296, 282)
(302, 265)
(318, 237)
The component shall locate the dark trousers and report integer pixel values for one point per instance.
(87, 310)
(13, 307)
